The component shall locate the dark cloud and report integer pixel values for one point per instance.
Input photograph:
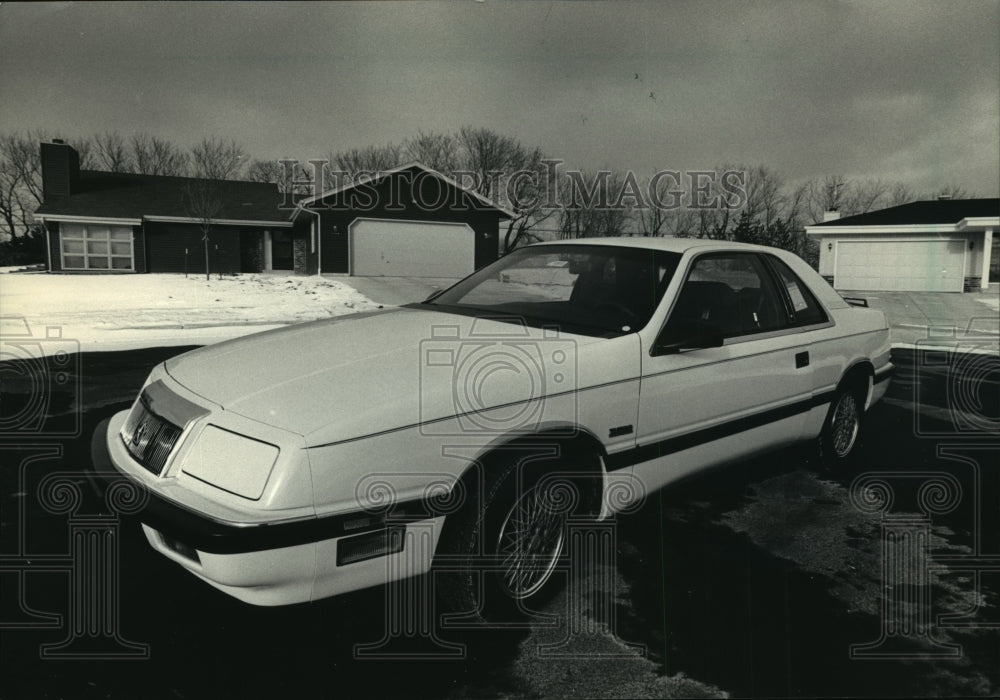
(893, 90)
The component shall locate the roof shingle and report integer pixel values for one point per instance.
(128, 196)
(932, 211)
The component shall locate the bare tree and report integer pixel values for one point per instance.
(111, 153)
(952, 190)
(797, 207)
(10, 191)
(489, 155)
(298, 179)
(714, 201)
(827, 194)
(152, 155)
(831, 193)
(900, 193)
(764, 190)
(204, 201)
(865, 195)
(683, 223)
(216, 159)
(655, 218)
(525, 193)
(370, 159)
(265, 171)
(591, 207)
(84, 148)
(503, 169)
(21, 151)
(437, 151)
(851, 197)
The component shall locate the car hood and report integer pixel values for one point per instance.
(355, 375)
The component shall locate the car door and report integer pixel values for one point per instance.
(705, 405)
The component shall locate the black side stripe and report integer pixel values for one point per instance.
(661, 448)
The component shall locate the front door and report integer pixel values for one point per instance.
(711, 405)
(281, 251)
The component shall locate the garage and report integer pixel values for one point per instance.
(901, 266)
(933, 245)
(392, 248)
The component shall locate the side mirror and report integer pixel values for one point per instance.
(688, 335)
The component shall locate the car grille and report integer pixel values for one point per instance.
(148, 437)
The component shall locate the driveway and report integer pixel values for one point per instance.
(917, 316)
(394, 291)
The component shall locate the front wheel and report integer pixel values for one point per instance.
(530, 542)
(499, 553)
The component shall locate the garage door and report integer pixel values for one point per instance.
(383, 248)
(902, 266)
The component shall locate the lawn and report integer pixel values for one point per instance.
(117, 312)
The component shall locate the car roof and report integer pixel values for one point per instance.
(667, 243)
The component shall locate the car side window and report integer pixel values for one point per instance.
(730, 291)
(804, 310)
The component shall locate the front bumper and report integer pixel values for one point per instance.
(270, 563)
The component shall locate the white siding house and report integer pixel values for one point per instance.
(945, 245)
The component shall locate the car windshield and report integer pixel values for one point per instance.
(592, 289)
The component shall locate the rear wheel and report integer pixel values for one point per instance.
(841, 436)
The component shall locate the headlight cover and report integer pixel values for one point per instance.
(157, 373)
(231, 462)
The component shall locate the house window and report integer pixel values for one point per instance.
(96, 247)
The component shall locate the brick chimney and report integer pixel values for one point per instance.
(60, 169)
(831, 215)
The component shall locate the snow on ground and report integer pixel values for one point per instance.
(992, 302)
(119, 312)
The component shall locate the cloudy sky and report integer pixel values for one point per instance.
(899, 90)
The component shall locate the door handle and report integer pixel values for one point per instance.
(801, 359)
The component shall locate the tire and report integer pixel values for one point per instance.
(840, 440)
(500, 554)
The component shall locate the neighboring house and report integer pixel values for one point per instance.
(411, 221)
(943, 245)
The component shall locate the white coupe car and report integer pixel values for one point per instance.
(305, 462)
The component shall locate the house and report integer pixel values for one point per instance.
(942, 245)
(410, 221)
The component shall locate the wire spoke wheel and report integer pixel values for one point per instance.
(845, 425)
(529, 544)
